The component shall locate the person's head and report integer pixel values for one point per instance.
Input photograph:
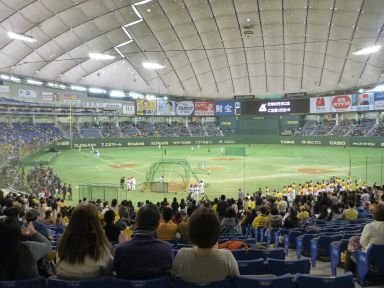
(123, 211)
(48, 214)
(378, 212)
(222, 197)
(292, 212)
(190, 210)
(302, 208)
(230, 213)
(263, 210)
(148, 217)
(274, 211)
(350, 204)
(10, 239)
(204, 228)
(31, 215)
(84, 236)
(114, 203)
(109, 217)
(167, 214)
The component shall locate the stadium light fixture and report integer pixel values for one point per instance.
(21, 37)
(379, 88)
(152, 65)
(117, 93)
(34, 82)
(4, 77)
(165, 98)
(142, 2)
(98, 56)
(135, 95)
(150, 97)
(367, 50)
(78, 88)
(95, 90)
(15, 79)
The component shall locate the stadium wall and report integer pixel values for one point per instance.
(238, 139)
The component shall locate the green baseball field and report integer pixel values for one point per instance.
(274, 166)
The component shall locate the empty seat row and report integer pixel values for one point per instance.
(286, 281)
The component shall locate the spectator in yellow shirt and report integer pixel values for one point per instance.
(167, 229)
(350, 213)
(303, 215)
(260, 220)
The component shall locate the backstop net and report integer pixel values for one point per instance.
(93, 191)
(170, 175)
(234, 150)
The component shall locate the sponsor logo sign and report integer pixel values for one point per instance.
(320, 105)
(224, 108)
(185, 108)
(4, 89)
(363, 102)
(27, 94)
(166, 108)
(341, 103)
(129, 108)
(49, 96)
(204, 108)
(146, 107)
(379, 100)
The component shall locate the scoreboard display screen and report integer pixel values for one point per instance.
(272, 107)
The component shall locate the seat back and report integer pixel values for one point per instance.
(281, 267)
(324, 242)
(251, 267)
(162, 282)
(240, 254)
(54, 282)
(35, 283)
(285, 281)
(179, 283)
(376, 259)
(344, 281)
(276, 253)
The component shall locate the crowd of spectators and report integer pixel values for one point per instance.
(135, 243)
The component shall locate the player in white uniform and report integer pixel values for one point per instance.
(196, 193)
(133, 183)
(97, 153)
(129, 184)
(202, 186)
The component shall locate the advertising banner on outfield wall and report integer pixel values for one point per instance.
(224, 108)
(27, 94)
(320, 105)
(49, 96)
(185, 108)
(379, 100)
(363, 102)
(342, 103)
(165, 108)
(146, 107)
(129, 108)
(204, 108)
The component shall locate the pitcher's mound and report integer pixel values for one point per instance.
(310, 170)
(129, 165)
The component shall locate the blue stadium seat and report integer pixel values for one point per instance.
(303, 243)
(336, 248)
(370, 262)
(290, 240)
(284, 281)
(281, 267)
(275, 253)
(251, 267)
(54, 282)
(227, 283)
(240, 254)
(342, 281)
(319, 246)
(30, 283)
(271, 236)
(162, 282)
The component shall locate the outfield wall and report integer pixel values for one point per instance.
(237, 139)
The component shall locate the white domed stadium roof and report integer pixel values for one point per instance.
(210, 48)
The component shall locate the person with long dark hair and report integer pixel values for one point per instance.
(18, 258)
(83, 250)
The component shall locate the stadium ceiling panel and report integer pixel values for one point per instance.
(210, 48)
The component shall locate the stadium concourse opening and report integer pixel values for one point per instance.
(128, 124)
